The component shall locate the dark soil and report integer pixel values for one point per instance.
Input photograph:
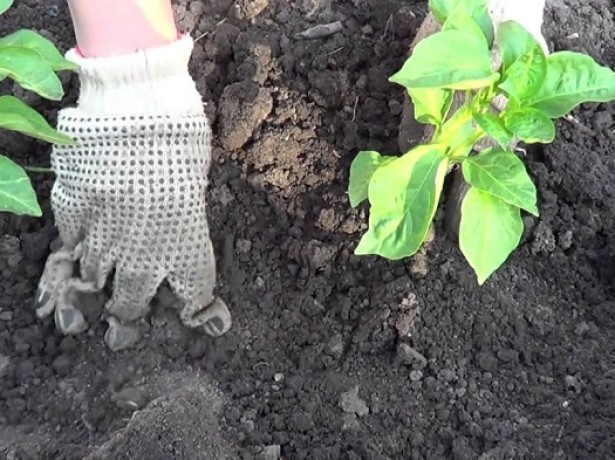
(331, 356)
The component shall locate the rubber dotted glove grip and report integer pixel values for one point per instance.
(130, 196)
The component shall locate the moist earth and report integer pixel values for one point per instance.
(331, 356)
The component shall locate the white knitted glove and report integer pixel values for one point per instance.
(130, 196)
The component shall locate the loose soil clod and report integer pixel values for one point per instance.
(322, 30)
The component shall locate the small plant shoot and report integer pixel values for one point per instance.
(31, 61)
(404, 191)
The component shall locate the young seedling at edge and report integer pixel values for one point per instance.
(31, 61)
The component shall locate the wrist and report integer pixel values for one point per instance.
(152, 81)
(116, 27)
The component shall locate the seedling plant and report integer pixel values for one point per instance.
(31, 61)
(404, 191)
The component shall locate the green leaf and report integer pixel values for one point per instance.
(431, 105)
(502, 174)
(362, 169)
(17, 116)
(5, 5)
(16, 192)
(525, 76)
(44, 48)
(457, 135)
(481, 15)
(530, 125)
(489, 232)
(437, 62)
(494, 127)
(444, 10)
(30, 71)
(572, 79)
(513, 41)
(404, 195)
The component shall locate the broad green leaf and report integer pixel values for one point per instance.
(362, 169)
(30, 71)
(437, 62)
(502, 174)
(530, 125)
(489, 232)
(44, 48)
(17, 116)
(478, 20)
(404, 195)
(573, 78)
(494, 127)
(431, 105)
(16, 192)
(5, 5)
(476, 9)
(481, 15)
(443, 9)
(526, 75)
(513, 41)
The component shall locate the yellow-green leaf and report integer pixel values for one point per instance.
(502, 174)
(489, 232)
(572, 79)
(5, 5)
(495, 128)
(526, 75)
(530, 125)
(16, 193)
(437, 62)
(404, 195)
(443, 10)
(30, 71)
(31, 40)
(513, 41)
(15, 115)
(431, 105)
(362, 169)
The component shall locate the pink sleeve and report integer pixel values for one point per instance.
(115, 27)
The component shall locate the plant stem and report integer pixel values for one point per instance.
(459, 133)
(37, 169)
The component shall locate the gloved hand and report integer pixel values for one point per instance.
(131, 195)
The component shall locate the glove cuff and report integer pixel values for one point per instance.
(152, 82)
